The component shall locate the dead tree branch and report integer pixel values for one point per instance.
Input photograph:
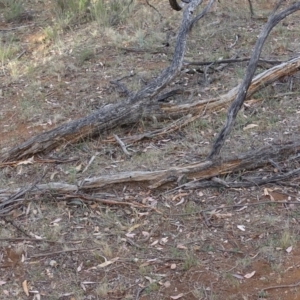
(198, 173)
(239, 100)
(258, 82)
(112, 115)
(227, 61)
(193, 111)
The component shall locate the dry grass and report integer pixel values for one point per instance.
(95, 251)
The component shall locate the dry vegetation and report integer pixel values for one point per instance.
(60, 61)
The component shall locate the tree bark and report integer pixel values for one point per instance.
(121, 114)
(240, 98)
(112, 115)
(198, 174)
(260, 81)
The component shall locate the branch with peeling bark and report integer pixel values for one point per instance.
(113, 115)
(195, 110)
(192, 111)
(200, 174)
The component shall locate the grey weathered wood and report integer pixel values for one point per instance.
(113, 115)
(198, 174)
(239, 100)
(259, 82)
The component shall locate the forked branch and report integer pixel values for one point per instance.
(113, 115)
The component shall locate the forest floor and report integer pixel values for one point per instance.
(166, 243)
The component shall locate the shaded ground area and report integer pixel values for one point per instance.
(200, 244)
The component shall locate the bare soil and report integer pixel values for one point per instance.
(165, 244)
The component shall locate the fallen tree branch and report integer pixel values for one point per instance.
(227, 61)
(196, 110)
(236, 206)
(112, 115)
(247, 182)
(284, 286)
(239, 100)
(195, 172)
(258, 82)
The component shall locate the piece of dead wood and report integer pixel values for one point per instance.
(122, 145)
(236, 206)
(200, 170)
(196, 110)
(62, 251)
(284, 286)
(109, 201)
(153, 7)
(195, 172)
(258, 82)
(118, 114)
(247, 182)
(236, 105)
(227, 61)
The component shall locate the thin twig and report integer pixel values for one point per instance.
(16, 226)
(226, 61)
(160, 15)
(281, 286)
(21, 54)
(251, 8)
(16, 28)
(90, 162)
(236, 206)
(62, 251)
(123, 146)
